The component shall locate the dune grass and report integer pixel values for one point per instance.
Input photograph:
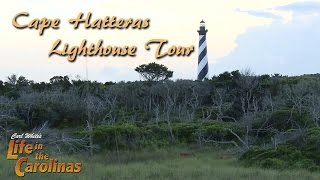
(161, 164)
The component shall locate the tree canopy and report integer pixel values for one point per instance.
(154, 72)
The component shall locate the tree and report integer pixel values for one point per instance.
(12, 80)
(60, 81)
(154, 72)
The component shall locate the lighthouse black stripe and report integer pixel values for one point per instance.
(202, 54)
(203, 72)
(203, 39)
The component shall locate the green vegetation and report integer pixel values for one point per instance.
(137, 136)
(154, 72)
(162, 164)
(284, 157)
(267, 121)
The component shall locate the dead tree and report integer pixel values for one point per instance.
(220, 104)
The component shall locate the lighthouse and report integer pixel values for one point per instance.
(202, 53)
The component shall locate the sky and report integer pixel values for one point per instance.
(267, 36)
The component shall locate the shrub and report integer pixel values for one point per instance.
(286, 119)
(285, 156)
(312, 144)
(220, 131)
(125, 135)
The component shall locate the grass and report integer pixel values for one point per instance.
(159, 164)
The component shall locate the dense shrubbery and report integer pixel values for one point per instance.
(311, 147)
(290, 155)
(284, 157)
(133, 136)
(279, 113)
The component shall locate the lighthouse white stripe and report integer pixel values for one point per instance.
(201, 48)
(202, 63)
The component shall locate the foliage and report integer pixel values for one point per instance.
(154, 72)
(283, 157)
(240, 109)
(161, 164)
(128, 136)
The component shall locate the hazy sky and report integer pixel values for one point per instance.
(268, 36)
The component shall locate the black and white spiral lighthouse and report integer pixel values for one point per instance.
(203, 69)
